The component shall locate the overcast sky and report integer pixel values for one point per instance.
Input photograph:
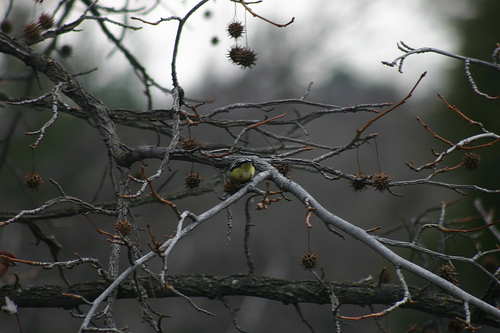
(327, 36)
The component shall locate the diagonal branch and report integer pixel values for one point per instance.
(361, 235)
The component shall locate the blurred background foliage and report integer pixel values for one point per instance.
(73, 155)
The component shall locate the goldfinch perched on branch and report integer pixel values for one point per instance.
(242, 170)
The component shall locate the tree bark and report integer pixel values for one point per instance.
(212, 287)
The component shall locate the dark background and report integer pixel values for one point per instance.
(74, 156)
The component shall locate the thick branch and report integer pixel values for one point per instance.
(288, 292)
(361, 235)
(73, 89)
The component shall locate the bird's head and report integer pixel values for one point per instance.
(242, 169)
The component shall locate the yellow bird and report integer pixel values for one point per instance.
(242, 170)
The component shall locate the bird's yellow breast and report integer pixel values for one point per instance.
(243, 172)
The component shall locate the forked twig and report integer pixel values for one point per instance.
(310, 209)
(153, 192)
(358, 132)
(433, 133)
(406, 298)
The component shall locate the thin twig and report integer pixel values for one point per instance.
(263, 18)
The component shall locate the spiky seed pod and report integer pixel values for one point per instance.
(284, 169)
(235, 54)
(309, 260)
(46, 21)
(472, 161)
(7, 26)
(358, 185)
(248, 58)
(190, 143)
(231, 186)
(193, 180)
(33, 180)
(31, 32)
(66, 51)
(214, 40)
(381, 181)
(242, 56)
(235, 29)
(123, 227)
(448, 272)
